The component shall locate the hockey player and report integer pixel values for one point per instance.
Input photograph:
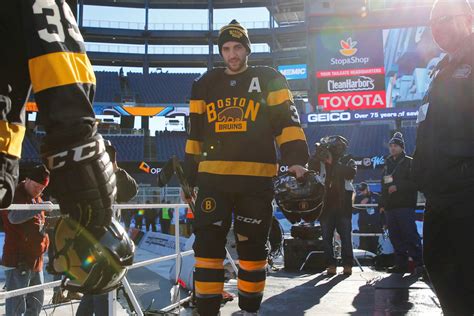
(43, 52)
(237, 114)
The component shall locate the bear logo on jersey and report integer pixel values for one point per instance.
(232, 114)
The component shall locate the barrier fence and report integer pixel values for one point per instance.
(176, 256)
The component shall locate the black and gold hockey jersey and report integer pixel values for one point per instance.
(235, 121)
(43, 48)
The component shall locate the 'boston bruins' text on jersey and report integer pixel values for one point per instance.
(234, 123)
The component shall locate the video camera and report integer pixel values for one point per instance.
(334, 146)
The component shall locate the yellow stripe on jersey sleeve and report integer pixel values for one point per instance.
(11, 137)
(238, 168)
(279, 96)
(59, 69)
(197, 106)
(289, 134)
(193, 147)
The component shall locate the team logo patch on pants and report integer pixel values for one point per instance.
(208, 205)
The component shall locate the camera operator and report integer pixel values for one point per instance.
(336, 171)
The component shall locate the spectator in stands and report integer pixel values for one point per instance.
(370, 219)
(165, 215)
(337, 171)
(444, 159)
(126, 189)
(26, 241)
(399, 197)
(150, 218)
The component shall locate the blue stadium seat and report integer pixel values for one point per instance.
(170, 144)
(108, 86)
(161, 87)
(29, 153)
(129, 147)
(409, 134)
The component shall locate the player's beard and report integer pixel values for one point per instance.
(237, 64)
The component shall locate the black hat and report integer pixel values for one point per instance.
(40, 175)
(398, 140)
(233, 32)
(362, 186)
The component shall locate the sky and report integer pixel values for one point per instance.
(165, 19)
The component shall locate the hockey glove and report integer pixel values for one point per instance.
(83, 181)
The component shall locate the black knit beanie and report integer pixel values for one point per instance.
(398, 139)
(40, 175)
(234, 32)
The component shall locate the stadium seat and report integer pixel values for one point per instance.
(108, 86)
(161, 87)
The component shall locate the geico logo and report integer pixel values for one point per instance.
(357, 100)
(361, 84)
(248, 220)
(329, 117)
(348, 61)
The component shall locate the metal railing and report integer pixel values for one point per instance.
(374, 5)
(177, 256)
(163, 50)
(169, 26)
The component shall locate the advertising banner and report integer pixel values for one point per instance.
(161, 244)
(357, 116)
(293, 72)
(350, 72)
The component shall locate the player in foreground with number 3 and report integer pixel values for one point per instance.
(236, 114)
(43, 52)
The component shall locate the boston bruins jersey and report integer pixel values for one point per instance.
(235, 121)
(42, 48)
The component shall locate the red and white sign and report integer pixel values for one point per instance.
(350, 72)
(352, 100)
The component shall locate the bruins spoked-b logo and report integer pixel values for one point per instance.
(208, 205)
(303, 205)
